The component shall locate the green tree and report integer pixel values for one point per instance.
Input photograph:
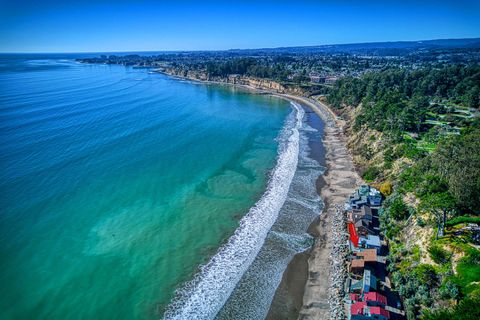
(467, 309)
(398, 209)
(457, 160)
(441, 204)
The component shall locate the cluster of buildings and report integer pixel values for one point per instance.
(369, 294)
(316, 77)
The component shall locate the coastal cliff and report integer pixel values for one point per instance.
(251, 82)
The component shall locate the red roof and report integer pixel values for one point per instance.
(353, 234)
(375, 296)
(354, 296)
(357, 308)
(381, 311)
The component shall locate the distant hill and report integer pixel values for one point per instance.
(379, 48)
(394, 48)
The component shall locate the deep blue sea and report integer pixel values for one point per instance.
(127, 194)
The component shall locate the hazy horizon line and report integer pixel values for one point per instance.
(233, 49)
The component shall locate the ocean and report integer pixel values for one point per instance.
(127, 194)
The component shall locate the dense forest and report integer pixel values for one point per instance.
(400, 99)
(275, 69)
(426, 129)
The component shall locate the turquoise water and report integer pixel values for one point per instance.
(117, 183)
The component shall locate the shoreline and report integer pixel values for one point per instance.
(288, 298)
(313, 278)
(324, 282)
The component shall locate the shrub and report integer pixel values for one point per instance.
(416, 253)
(392, 231)
(387, 166)
(409, 179)
(472, 258)
(467, 309)
(426, 274)
(423, 295)
(439, 255)
(410, 309)
(450, 290)
(398, 209)
(386, 188)
(410, 151)
(371, 173)
(366, 152)
(389, 155)
(421, 222)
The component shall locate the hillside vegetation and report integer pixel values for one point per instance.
(416, 135)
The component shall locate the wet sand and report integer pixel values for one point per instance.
(288, 299)
(305, 291)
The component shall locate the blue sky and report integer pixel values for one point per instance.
(102, 26)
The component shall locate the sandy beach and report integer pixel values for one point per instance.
(312, 270)
(311, 283)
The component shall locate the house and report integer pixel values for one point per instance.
(370, 242)
(357, 267)
(355, 286)
(316, 78)
(353, 297)
(369, 281)
(366, 258)
(361, 286)
(365, 213)
(365, 195)
(360, 311)
(375, 299)
(374, 197)
(330, 80)
(356, 201)
(234, 78)
(364, 228)
(372, 299)
(367, 255)
(357, 308)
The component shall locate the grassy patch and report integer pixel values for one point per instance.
(426, 146)
(416, 253)
(468, 272)
(407, 137)
(462, 219)
(468, 277)
(436, 122)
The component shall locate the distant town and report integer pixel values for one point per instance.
(311, 68)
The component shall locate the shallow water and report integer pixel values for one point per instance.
(116, 184)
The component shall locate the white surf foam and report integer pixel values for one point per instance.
(204, 296)
(308, 128)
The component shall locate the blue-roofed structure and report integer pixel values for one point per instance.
(364, 195)
(369, 281)
(371, 242)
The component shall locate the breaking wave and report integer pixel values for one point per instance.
(204, 296)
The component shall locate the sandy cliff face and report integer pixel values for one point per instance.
(184, 73)
(257, 83)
